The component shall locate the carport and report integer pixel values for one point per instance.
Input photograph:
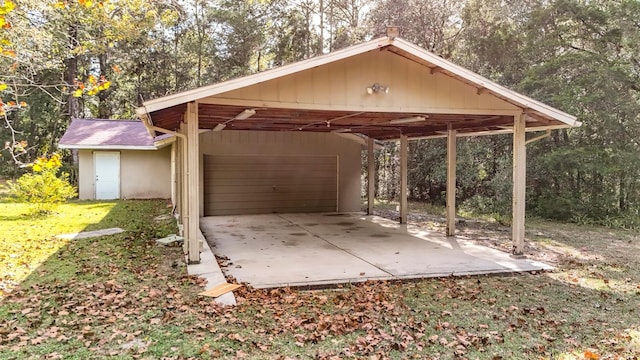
(386, 89)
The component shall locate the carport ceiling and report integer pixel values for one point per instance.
(377, 125)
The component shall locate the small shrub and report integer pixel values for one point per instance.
(43, 188)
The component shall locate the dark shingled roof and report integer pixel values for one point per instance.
(102, 133)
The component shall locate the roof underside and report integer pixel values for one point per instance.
(376, 125)
(222, 103)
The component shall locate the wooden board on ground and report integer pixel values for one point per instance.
(220, 290)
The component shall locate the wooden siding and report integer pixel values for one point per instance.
(413, 87)
(287, 144)
(269, 184)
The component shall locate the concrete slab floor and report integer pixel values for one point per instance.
(274, 250)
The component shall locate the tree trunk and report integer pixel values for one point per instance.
(104, 110)
(72, 109)
(622, 200)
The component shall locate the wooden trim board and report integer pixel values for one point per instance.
(220, 290)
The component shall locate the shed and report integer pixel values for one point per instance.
(119, 159)
(287, 139)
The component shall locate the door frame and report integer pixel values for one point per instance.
(95, 172)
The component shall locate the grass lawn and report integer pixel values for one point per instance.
(123, 296)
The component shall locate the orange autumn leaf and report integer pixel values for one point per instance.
(591, 356)
(116, 68)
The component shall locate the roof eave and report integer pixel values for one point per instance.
(105, 147)
(517, 99)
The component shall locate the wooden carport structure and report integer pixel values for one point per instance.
(384, 89)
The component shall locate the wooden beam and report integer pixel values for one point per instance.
(192, 224)
(451, 182)
(184, 188)
(371, 175)
(307, 106)
(519, 184)
(403, 178)
(174, 173)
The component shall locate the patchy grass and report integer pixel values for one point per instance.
(26, 241)
(124, 296)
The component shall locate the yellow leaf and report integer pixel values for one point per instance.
(77, 93)
(3, 86)
(7, 7)
(104, 86)
(92, 80)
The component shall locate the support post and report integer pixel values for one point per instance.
(403, 179)
(184, 189)
(174, 196)
(192, 225)
(451, 181)
(371, 176)
(519, 184)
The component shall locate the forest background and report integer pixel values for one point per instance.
(84, 58)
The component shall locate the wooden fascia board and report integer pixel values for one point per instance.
(484, 132)
(482, 82)
(164, 142)
(203, 92)
(106, 147)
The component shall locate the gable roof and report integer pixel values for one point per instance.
(173, 106)
(109, 134)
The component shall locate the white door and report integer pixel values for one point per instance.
(107, 170)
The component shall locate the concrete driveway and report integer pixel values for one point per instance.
(276, 250)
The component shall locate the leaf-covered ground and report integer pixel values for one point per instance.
(123, 296)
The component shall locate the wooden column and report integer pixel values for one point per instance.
(184, 189)
(174, 196)
(403, 178)
(451, 181)
(371, 176)
(519, 184)
(192, 224)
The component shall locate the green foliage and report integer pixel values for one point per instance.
(44, 188)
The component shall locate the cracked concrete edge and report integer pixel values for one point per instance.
(209, 269)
